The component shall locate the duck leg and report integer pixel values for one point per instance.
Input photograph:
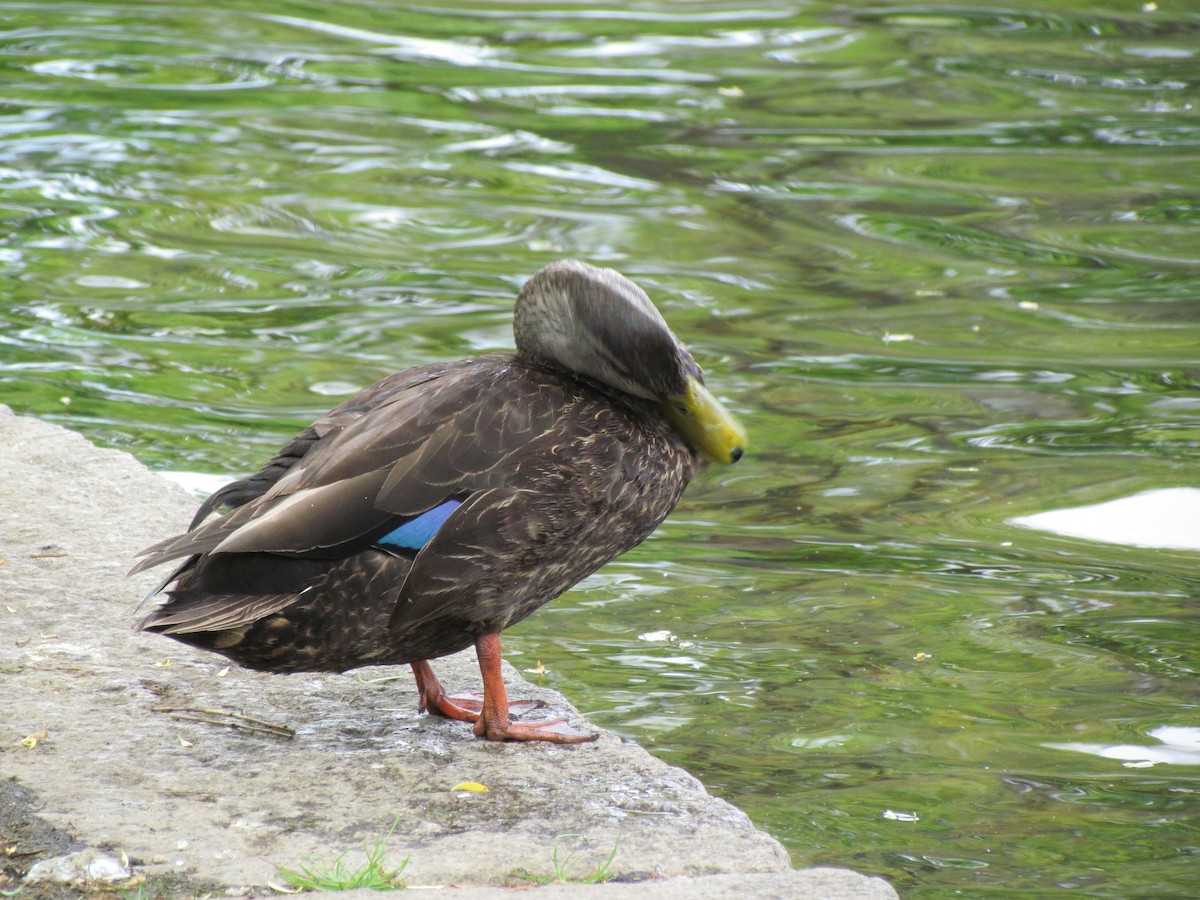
(432, 697)
(494, 721)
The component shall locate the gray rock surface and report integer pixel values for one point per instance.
(94, 725)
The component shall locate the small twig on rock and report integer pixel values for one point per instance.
(227, 719)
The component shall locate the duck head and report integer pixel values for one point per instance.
(598, 323)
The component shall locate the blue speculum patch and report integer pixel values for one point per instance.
(416, 533)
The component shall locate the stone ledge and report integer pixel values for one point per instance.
(225, 805)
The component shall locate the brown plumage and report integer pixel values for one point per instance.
(449, 501)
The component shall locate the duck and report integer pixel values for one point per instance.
(447, 502)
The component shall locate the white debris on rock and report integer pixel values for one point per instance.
(79, 868)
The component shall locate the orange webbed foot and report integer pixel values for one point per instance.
(495, 720)
(490, 711)
(465, 707)
(554, 731)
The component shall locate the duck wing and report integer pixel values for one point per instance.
(384, 458)
(238, 493)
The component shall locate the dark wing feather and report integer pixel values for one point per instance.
(238, 493)
(324, 518)
(191, 611)
(237, 591)
(416, 443)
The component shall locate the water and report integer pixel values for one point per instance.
(942, 259)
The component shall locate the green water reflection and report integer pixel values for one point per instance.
(943, 260)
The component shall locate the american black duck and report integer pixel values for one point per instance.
(449, 501)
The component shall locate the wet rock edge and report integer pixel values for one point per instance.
(70, 516)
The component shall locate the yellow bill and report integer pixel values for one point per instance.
(706, 425)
